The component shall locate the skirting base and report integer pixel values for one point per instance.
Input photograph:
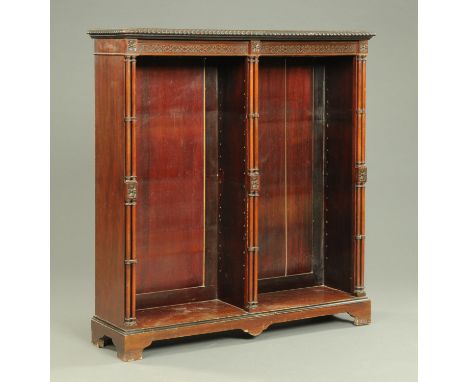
(130, 343)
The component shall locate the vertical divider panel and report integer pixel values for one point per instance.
(233, 200)
(318, 172)
(339, 200)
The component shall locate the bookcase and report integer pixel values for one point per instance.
(230, 181)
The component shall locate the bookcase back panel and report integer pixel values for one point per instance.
(171, 174)
(272, 209)
(299, 166)
(286, 162)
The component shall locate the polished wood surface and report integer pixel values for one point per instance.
(338, 237)
(170, 223)
(299, 170)
(286, 160)
(232, 194)
(318, 174)
(130, 344)
(186, 313)
(272, 212)
(359, 158)
(252, 182)
(180, 314)
(249, 160)
(109, 213)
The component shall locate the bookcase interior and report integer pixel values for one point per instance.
(191, 152)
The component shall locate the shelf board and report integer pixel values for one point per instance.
(207, 311)
(296, 298)
(185, 313)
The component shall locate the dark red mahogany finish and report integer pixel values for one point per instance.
(286, 160)
(230, 181)
(170, 156)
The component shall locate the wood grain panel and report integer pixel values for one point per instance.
(185, 313)
(110, 46)
(215, 309)
(318, 171)
(300, 297)
(170, 170)
(272, 211)
(211, 176)
(175, 296)
(286, 160)
(299, 162)
(232, 169)
(338, 179)
(109, 191)
(301, 280)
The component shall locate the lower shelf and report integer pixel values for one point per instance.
(217, 316)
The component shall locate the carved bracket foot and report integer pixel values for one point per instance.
(130, 348)
(359, 321)
(256, 330)
(361, 314)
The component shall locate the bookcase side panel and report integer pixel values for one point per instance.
(232, 172)
(338, 240)
(109, 188)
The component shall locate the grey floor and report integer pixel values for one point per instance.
(323, 349)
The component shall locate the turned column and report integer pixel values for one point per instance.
(252, 181)
(360, 171)
(131, 189)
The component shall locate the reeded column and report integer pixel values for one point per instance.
(360, 171)
(252, 183)
(131, 189)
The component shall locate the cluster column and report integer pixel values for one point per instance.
(131, 190)
(252, 183)
(360, 172)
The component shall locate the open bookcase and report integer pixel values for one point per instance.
(230, 181)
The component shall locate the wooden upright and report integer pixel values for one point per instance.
(253, 178)
(230, 181)
(360, 171)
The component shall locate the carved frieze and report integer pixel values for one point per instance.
(192, 48)
(303, 49)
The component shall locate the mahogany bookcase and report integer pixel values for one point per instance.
(230, 181)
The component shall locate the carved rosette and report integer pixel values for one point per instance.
(363, 46)
(131, 46)
(255, 46)
(253, 181)
(361, 175)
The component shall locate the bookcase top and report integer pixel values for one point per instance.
(228, 34)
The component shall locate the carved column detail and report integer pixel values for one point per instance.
(360, 171)
(131, 189)
(252, 183)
